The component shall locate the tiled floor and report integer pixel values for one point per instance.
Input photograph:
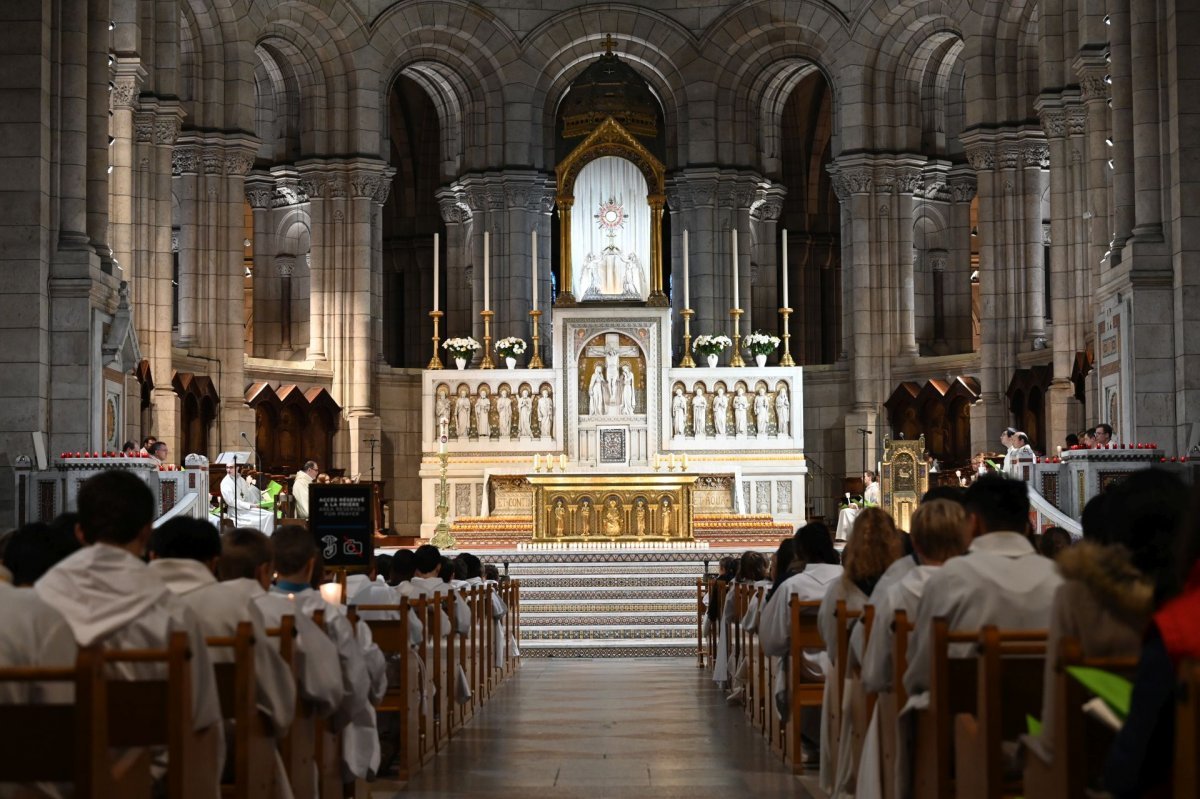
(565, 728)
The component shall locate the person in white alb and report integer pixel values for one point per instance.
(870, 488)
(1020, 451)
(108, 596)
(304, 478)
(243, 501)
(1006, 441)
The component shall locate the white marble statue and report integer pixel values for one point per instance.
(525, 414)
(720, 409)
(504, 408)
(762, 411)
(596, 392)
(242, 500)
(612, 369)
(483, 413)
(741, 404)
(590, 275)
(699, 412)
(627, 390)
(783, 411)
(441, 405)
(462, 413)
(545, 409)
(678, 412)
(632, 280)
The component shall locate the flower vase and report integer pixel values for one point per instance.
(712, 361)
(760, 358)
(461, 363)
(511, 363)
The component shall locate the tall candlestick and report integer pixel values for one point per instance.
(435, 272)
(687, 297)
(487, 269)
(785, 270)
(533, 264)
(736, 296)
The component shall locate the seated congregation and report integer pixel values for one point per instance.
(970, 657)
(176, 661)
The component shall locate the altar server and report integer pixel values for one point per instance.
(108, 595)
(243, 501)
(871, 489)
(1021, 450)
(427, 563)
(300, 484)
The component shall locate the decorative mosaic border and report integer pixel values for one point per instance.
(623, 634)
(666, 650)
(533, 619)
(667, 581)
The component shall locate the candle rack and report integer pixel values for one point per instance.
(535, 360)
(435, 362)
(736, 359)
(487, 363)
(786, 360)
(687, 362)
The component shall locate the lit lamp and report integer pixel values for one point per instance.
(331, 593)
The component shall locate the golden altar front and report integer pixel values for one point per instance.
(591, 506)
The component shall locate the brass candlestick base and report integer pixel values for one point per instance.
(441, 534)
(486, 363)
(736, 359)
(535, 361)
(786, 360)
(687, 362)
(435, 362)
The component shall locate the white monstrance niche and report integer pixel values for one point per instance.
(610, 232)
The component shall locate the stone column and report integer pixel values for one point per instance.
(127, 84)
(313, 181)
(907, 180)
(98, 100)
(1120, 74)
(456, 298)
(1091, 68)
(937, 268)
(260, 191)
(961, 183)
(284, 266)
(72, 135)
(1145, 80)
(765, 291)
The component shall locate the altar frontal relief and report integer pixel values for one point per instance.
(610, 232)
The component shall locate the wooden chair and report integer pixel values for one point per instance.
(842, 618)
(1009, 667)
(890, 704)
(1080, 744)
(68, 743)
(701, 613)
(952, 691)
(403, 696)
(1187, 732)
(254, 737)
(801, 694)
(328, 749)
(298, 744)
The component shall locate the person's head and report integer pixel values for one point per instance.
(294, 553)
(814, 544)
(129, 448)
(186, 538)
(997, 504)
(781, 562)
(952, 493)
(1145, 512)
(403, 565)
(1103, 434)
(491, 573)
(1072, 440)
(1096, 519)
(35, 548)
(446, 569)
(872, 547)
(382, 566)
(1006, 436)
(1020, 440)
(868, 477)
(1053, 541)
(147, 441)
(1088, 438)
(727, 565)
(310, 468)
(116, 508)
(245, 554)
(159, 450)
(427, 561)
(472, 565)
(939, 531)
(752, 566)
(460, 568)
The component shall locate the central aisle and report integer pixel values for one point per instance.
(605, 728)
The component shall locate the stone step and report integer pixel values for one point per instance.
(607, 632)
(568, 594)
(608, 649)
(523, 571)
(649, 605)
(591, 620)
(612, 581)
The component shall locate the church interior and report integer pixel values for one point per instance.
(589, 284)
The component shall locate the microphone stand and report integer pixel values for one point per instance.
(235, 492)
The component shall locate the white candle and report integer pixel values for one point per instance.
(487, 268)
(331, 593)
(785, 270)
(687, 297)
(435, 272)
(736, 296)
(533, 264)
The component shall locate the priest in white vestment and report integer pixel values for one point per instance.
(871, 491)
(1007, 441)
(107, 595)
(364, 670)
(243, 501)
(1021, 451)
(304, 478)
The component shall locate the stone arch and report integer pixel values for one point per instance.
(464, 58)
(751, 44)
(564, 45)
(216, 65)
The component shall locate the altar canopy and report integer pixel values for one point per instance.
(610, 232)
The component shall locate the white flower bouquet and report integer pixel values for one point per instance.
(510, 347)
(711, 345)
(460, 347)
(759, 343)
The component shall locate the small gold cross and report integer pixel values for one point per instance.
(609, 44)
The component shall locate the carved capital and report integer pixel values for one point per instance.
(1093, 84)
(909, 180)
(963, 189)
(1076, 121)
(166, 129)
(184, 160)
(239, 162)
(125, 91)
(981, 155)
(313, 185)
(285, 265)
(259, 197)
(1054, 122)
(144, 123)
(938, 260)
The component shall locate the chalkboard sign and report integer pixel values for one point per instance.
(342, 521)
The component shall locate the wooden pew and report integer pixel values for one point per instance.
(1009, 668)
(1079, 744)
(1187, 732)
(843, 618)
(952, 691)
(801, 694)
(298, 744)
(254, 738)
(701, 614)
(890, 704)
(328, 749)
(404, 692)
(719, 589)
(68, 743)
